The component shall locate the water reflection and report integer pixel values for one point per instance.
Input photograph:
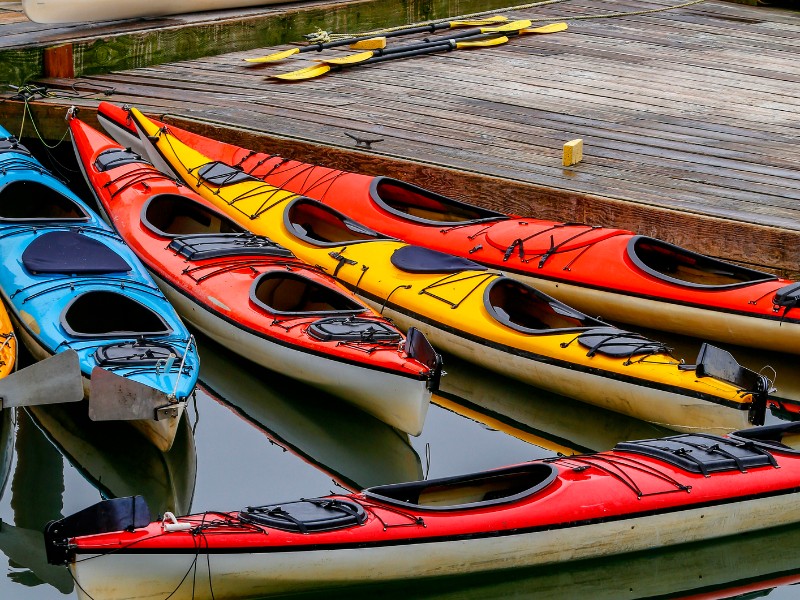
(6, 448)
(542, 418)
(37, 487)
(749, 564)
(118, 461)
(354, 448)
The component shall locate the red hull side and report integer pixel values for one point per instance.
(589, 489)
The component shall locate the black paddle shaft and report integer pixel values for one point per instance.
(430, 28)
(428, 45)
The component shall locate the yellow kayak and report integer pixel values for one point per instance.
(8, 344)
(479, 314)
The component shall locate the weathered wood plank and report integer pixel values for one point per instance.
(714, 166)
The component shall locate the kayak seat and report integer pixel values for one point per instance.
(202, 246)
(472, 491)
(134, 354)
(116, 157)
(617, 343)
(70, 252)
(353, 329)
(702, 453)
(33, 201)
(287, 293)
(527, 310)
(104, 314)
(674, 264)
(221, 174)
(322, 225)
(170, 215)
(415, 259)
(307, 516)
(418, 204)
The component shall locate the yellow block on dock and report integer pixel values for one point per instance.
(573, 152)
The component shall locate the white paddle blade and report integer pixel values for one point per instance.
(54, 380)
(116, 398)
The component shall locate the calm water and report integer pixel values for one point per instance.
(261, 438)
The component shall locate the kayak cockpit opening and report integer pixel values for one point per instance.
(287, 293)
(168, 215)
(106, 314)
(199, 232)
(35, 201)
(471, 491)
(421, 205)
(528, 310)
(321, 225)
(677, 265)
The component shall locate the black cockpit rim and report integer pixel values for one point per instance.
(383, 190)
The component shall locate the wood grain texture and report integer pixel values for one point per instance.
(708, 94)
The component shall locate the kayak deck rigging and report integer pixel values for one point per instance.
(72, 283)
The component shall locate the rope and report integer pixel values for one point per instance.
(334, 36)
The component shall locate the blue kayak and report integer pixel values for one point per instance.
(70, 282)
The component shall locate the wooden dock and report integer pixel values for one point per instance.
(688, 119)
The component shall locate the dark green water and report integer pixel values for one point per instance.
(260, 438)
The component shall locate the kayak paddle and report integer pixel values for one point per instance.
(452, 43)
(373, 42)
(365, 58)
(489, 33)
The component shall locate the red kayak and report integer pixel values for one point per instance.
(254, 296)
(640, 495)
(614, 273)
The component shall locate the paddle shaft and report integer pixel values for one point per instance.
(427, 45)
(430, 48)
(430, 28)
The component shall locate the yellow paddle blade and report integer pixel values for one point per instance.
(351, 59)
(508, 27)
(377, 43)
(307, 73)
(479, 22)
(551, 28)
(274, 57)
(483, 43)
